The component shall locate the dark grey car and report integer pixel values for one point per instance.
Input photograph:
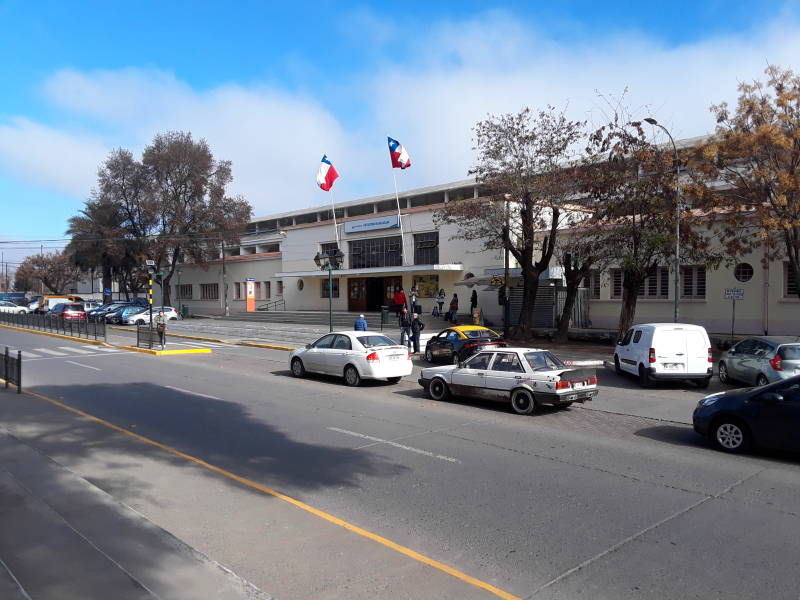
(761, 360)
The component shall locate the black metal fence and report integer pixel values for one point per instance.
(55, 324)
(148, 337)
(11, 369)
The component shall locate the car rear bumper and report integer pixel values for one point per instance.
(424, 382)
(574, 396)
(401, 369)
(669, 375)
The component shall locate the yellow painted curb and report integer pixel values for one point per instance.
(167, 352)
(58, 335)
(180, 335)
(270, 346)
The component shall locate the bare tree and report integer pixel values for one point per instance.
(53, 269)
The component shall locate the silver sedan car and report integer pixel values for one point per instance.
(761, 360)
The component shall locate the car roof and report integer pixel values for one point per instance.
(777, 339)
(518, 349)
(672, 325)
(469, 327)
(354, 332)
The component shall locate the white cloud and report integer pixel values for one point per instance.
(453, 73)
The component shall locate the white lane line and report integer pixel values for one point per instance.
(103, 348)
(75, 350)
(177, 389)
(53, 352)
(172, 342)
(26, 354)
(72, 362)
(395, 444)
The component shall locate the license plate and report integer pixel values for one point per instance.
(671, 365)
(395, 356)
(578, 385)
(571, 398)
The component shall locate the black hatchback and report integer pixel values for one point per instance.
(767, 416)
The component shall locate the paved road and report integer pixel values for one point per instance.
(593, 502)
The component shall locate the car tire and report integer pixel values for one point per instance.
(617, 368)
(393, 380)
(351, 376)
(523, 402)
(428, 355)
(438, 390)
(702, 383)
(730, 435)
(644, 377)
(298, 370)
(723, 373)
(761, 380)
(173, 318)
(456, 360)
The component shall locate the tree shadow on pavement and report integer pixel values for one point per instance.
(674, 434)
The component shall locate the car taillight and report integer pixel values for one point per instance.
(711, 355)
(562, 385)
(408, 355)
(373, 356)
(591, 381)
(776, 363)
(652, 357)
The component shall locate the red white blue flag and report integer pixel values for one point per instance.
(400, 158)
(327, 174)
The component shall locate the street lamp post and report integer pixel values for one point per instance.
(328, 261)
(676, 300)
(178, 293)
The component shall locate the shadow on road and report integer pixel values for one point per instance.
(673, 434)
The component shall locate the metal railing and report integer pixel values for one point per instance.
(147, 337)
(11, 369)
(53, 324)
(273, 305)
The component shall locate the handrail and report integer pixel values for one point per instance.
(273, 305)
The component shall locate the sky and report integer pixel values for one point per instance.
(273, 86)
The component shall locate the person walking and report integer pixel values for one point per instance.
(360, 323)
(416, 329)
(405, 327)
(440, 298)
(473, 302)
(413, 299)
(161, 327)
(453, 314)
(399, 300)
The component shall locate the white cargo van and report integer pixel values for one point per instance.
(656, 351)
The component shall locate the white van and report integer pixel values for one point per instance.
(656, 351)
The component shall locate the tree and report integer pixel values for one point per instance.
(749, 173)
(522, 168)
(53, 269)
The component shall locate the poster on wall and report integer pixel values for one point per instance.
(387, 222)
(427, 285)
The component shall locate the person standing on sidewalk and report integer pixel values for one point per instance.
(413, 299)
(360, 323)
(440, 298)
(161, 327)
(453, 314)
(416, 329)
(399, 300)
(405, 327)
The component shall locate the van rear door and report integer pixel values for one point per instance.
(671, 350)
(697, 346)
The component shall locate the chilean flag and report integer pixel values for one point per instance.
(400, 157)
(327, 174)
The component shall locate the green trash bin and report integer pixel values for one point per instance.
(384, 316)
(184, 311)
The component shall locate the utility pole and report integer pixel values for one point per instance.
(225, 281)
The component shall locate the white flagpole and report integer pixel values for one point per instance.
(335, 227)
(399, 218)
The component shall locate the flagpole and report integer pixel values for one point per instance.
(335, 227)
(399, 218)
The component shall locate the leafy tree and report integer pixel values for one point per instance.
(522, 169)
(749, 172)
(53, 269)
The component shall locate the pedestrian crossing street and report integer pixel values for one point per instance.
(70, 351)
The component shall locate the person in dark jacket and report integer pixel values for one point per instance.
(416, 329)
(360, 324)
(473, 302)
(453, 314)
(405, 327)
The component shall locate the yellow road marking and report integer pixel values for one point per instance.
(167, 352)
(58, 335)
(297, 503)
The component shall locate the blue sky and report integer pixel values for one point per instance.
(272, 86)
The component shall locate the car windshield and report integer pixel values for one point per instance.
(480, 333)
(371, 341)
(542, 361)
(790, 352)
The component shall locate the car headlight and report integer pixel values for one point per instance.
(709, 400)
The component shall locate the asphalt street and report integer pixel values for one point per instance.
(617, 499)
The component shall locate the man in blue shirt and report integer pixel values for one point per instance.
(360, 324)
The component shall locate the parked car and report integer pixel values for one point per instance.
(11, 307)
(663, 351)
(761, 360)
(456, 344)
(99, 313)
(525, 377)
(69, 311)
(143, 315)
(34, 303)
(767, 416)
(354, 355)
(91, 305)
(49, 302)
(117, 316)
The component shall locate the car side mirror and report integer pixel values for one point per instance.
(731, 352)
(770, 397)
(308, 346)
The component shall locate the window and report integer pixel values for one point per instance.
(479, 361)
(376, 252)
(209, 291)
(637, 336)
(342, 343)
(323, 287)
(279, 287)
(326, 341)
(656, 285)
(543, 361)
(267, 290)
(616, 283)
(426, 248)
(694, 282)
(592, 281)
(185, 291)
(627, 339)
(789, 282)
(237, 291)
(328, 248)
(743, 272)
(427, 285)
(257, 285)
(507, 361)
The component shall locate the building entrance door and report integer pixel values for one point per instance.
(357, 294)
(390, 287)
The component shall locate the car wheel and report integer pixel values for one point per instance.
(298, 370)
(730, 435)
(393, 379)
(173, 318)
(438, 390)
(351, 376)
(702, 383)
(617, 368)
(523, 402)
(428, 355)
(761, 380)
(644, 377)
(723, 373)
(456, 359)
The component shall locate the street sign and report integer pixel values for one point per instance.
(250, 279)
(106, 292)
(734, 294)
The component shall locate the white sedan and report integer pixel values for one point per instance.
(10, 307)
(354, 355)
(144, 315)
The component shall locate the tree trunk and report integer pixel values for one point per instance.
(167, 291)
(106, 283)
(628, 311)
(530, 280)
(566, 313)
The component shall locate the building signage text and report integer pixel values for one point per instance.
(388, 222)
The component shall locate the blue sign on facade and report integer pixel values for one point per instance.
(390, 222)
(107, 292)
